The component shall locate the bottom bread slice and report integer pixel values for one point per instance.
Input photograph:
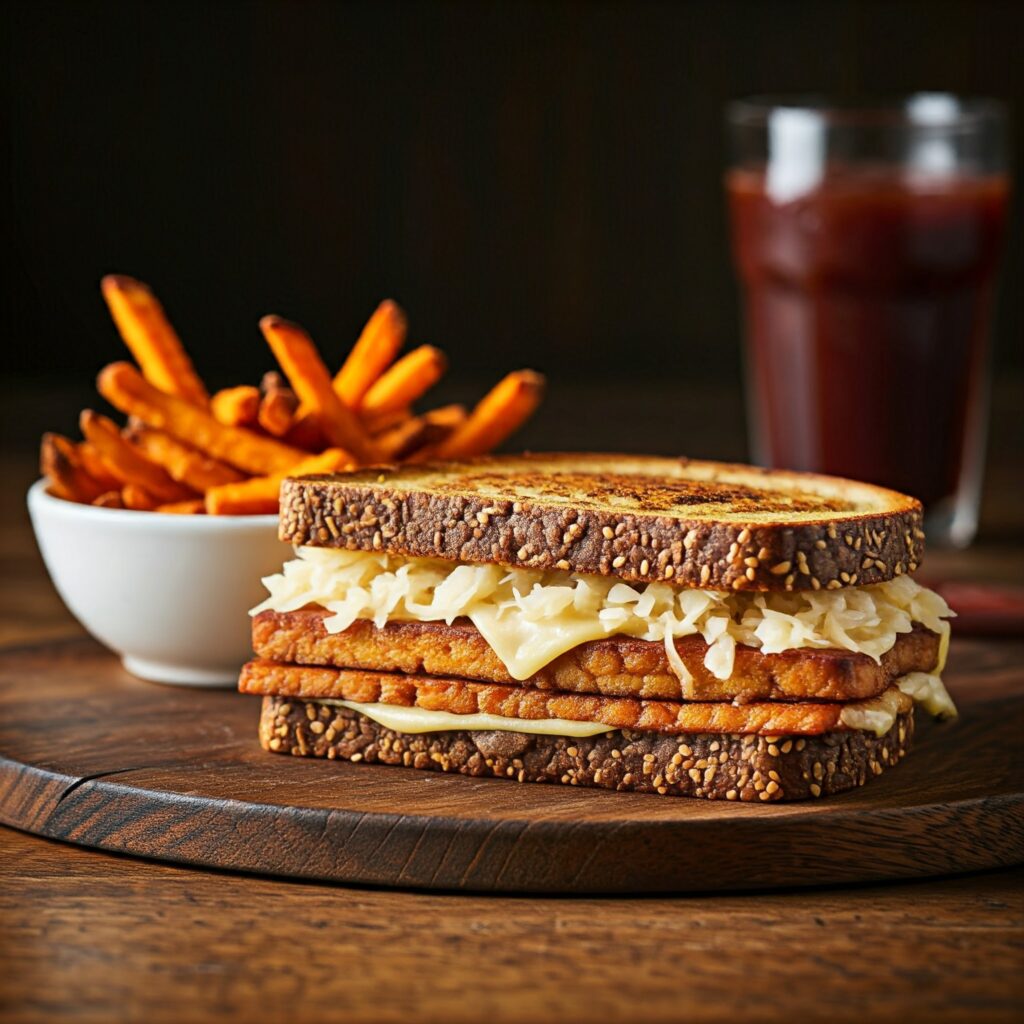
(715, 766)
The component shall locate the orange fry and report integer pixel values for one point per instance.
(138, 498)
(193, 469)
(123, 386)
(380, 422)
(406, 380)
(420, 432)
(441, 423)
(447, 417)
(127, 463)
(109, 499)
(260, 494)
(297, 355)
(381, 340)
(406, 437)
(236, 407)
(151, 338)
(501, 412)
(59, 462)
(96, 468)
(306, 434)
(192, 507)
(277, 411)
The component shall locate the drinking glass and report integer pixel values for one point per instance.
(867, 240)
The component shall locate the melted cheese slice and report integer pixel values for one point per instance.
(877, 715)
(928, 690)
(413, 720)
(525, 646)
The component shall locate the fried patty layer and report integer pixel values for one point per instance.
(619, 666)
(461, 697)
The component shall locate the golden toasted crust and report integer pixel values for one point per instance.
(620, 666)
(712, 766)
(705, 524)
(460, 697)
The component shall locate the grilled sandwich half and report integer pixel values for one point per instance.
(629, 623)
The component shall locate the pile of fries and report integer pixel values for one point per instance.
(185, 451)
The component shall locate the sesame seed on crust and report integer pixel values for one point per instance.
(626, 760)
(716, 525)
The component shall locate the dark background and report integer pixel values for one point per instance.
(538, 184)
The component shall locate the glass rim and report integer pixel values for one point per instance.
(960, 113)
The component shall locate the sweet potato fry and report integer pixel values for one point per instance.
(260, 494)
(381, 340)
(138, 499)
(401, 384)
(272, 381)
(109, 499)
(184, 452)
(420, 432)
(277, 411)
(96, 468)
(186, 465)
(399, 441)
(383, 421)
(125, 389)
(305, 433)
(56, 489)
(301, 363)
(236, 407)
(447, 417)
(497, 415)
(59, 462)
(192, 507)
(442, 422)
(151, 338)
(127, 463)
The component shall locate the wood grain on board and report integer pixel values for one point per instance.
(96, 938)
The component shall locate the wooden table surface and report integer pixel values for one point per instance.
(91, 936)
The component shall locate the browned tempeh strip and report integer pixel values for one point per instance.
(619, 666)
(460, 697)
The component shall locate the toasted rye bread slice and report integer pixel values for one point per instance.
(620, 666)
(714, 766)
(706, 524)
(460, 697)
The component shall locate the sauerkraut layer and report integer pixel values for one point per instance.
(530, 617)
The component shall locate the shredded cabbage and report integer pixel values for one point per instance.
(529, 617)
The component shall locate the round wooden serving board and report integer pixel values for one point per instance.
(92, 756)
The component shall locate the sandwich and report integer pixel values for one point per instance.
(635, 624)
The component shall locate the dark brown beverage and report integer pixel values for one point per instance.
(868, 300)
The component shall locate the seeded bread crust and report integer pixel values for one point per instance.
(698, 524)
(459, 697)
(714, 766)
(619, 666)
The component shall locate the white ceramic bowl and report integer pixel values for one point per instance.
(169, 593)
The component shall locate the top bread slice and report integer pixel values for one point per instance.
(715, 525)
